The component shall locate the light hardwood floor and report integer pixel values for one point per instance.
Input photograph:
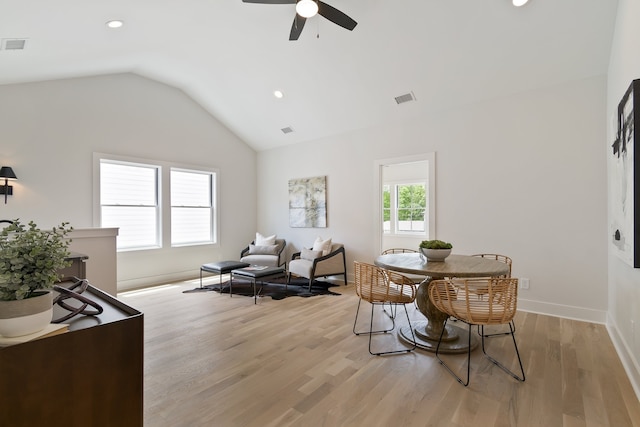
(212, 360)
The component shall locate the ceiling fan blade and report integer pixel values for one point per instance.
(270, 1)
(296, 27)
(335, 16)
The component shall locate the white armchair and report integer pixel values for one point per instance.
(311, 264)
(269, 255)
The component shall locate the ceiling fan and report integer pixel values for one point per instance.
(308, 8)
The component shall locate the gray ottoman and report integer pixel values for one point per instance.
(221, 267)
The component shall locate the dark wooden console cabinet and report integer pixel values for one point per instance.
(89, 376)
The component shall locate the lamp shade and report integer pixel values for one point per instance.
(7, 173)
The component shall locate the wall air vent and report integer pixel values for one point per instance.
(405, 98)
(13, 44)
(286, 130)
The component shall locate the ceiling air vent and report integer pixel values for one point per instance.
(13, 44)
(286, 130)
(405, 98)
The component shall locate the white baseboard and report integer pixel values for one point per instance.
(629, 362)
(128, 285)
(566, 311)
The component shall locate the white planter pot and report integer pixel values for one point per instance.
(26, 316)
(435, 255)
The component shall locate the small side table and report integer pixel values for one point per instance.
(221, 267)
(256, 273)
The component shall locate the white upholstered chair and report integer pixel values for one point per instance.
(269, 255)
(312, 264)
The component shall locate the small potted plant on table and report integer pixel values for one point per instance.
(30, 259)
(435, 250)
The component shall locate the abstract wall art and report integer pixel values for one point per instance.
(308, 202)
(624, 230)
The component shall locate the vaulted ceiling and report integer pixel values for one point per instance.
(230, 56)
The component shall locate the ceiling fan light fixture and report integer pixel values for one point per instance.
(306, 8)
(518, 3)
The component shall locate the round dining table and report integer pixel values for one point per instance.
(427, 333)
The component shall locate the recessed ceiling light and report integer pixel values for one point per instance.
(115, 23)
(278, 94)
(518, 3)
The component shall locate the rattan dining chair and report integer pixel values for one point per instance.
(414, 277)
(398, 251)
(502, 258)
(378, 287)
(458, 298)
(507, 260)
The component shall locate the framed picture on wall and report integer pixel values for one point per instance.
(308, 202)
(625, 186)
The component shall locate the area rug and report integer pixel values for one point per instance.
(275, 289)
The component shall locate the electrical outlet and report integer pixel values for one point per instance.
(524, 283)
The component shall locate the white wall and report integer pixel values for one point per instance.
(523, 176)
(49, 131)
(624, 281)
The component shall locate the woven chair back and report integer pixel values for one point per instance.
(485, 301)
(398, 251)
(375, 285)
(498, 257)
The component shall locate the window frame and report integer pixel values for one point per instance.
(164, 197)
(394, 229)
(158, 200)
(213, 177)
(379, 165)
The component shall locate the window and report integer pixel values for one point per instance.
(404, 207)
(405, 201)
(155, 204)
(192, 207)
(129, 200)
(411, 202)
(386, 208)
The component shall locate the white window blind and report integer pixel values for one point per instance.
(129, 201)
(192, 207)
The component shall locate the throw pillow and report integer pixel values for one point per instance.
(263, 250)
(322, 245)
(309, 254)
(265, 240)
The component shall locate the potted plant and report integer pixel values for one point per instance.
(30, 260)
(435, 250)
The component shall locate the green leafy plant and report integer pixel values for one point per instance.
(30, 258)
(435, 244)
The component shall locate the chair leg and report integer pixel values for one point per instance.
(500, 365)
(464, 383)
(497, 334)
(369, 331)
(393, 310)
(404, 350)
